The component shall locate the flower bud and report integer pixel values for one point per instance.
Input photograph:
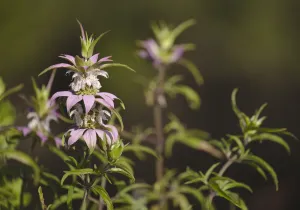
(115, 150)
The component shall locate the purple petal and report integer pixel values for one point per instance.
(82, 31)
(75, 135)
(100, 133)
(57, 141)
(90, 138)
(59, 94)
(89, 101)
(114, 132)
(105, 59)
(69, 58)
(143, 54)
(94, 58)
(109, 137)
(104, 103)
(177, 54)
(59, 65)
(152, 48)
(25, 130)
(72, 100)
(43, 137)
(112, 96)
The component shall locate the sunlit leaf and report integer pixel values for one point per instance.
(139, 148)
(264, 165)
(109, 65)
(182, 27)
(93, 44)
(104, 195)
(70, 197)
(272, 138)
(135, 186)
(193, 69)
(210, 171)
(2, 86)
(116, 113)
(63, 199)
(194, 192)
(7, 113)
(121, 171)
(11, 91)
(77, 172)
(42, 200)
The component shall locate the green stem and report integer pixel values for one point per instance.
(22, 191)
(158, 122)
(224, 168)
(159, 125)
(101, 202)
(84, 201)
(229, 162)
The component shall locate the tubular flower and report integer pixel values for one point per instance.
(91, 127)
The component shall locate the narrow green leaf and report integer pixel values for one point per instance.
(109, 65)
(194, 192)
(230, 183)
(259, 111)
(273, 138)
(63, 199)
(170, 141)
(60, 154)
(93, 44)
(182, 27)
(239, 143)
(223, 194)
(7, 113)
(264, 165)
(191, 95)
(140, 148)
(25, 159)
(2, 86)
(258, 169)
(135, 187)
(11, 91)
(210, 170)
(51, 176)
(70, 197)
(42, 200)
(119, 118)
(193, 70)
(123, 172)
(104, 195)
(76, 172)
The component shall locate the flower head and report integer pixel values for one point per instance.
(41, 113)
(89, 107)
(92, 127)
(164, 51)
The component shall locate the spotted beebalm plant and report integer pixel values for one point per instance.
(173, 189)
(41, 114)
(90, 108)
(94, 152)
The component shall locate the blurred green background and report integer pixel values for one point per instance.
(250, 44)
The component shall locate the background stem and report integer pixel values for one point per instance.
(101, 202)
(159, 125)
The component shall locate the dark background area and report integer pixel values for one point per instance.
(252, 45)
